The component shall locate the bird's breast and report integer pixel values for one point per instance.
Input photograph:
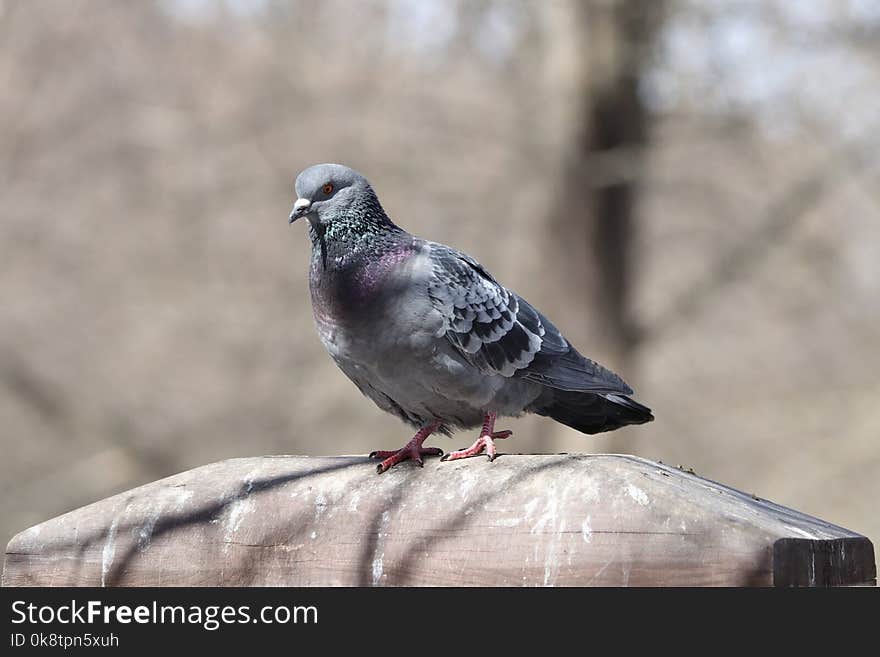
(363, 304)
(350, 288)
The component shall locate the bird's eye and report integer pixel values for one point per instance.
(327, 189)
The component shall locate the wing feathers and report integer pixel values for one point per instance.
(500, 333)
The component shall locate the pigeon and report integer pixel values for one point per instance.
(428, 334)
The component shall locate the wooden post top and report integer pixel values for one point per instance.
(522, 520)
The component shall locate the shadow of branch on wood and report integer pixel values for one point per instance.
(205, 513)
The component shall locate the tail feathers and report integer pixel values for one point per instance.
(592, 413)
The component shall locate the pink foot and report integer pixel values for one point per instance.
(412, 450)
(486, 441)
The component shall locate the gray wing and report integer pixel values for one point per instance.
(499, 332)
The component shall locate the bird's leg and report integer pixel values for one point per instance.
(412, 450)
(486, 441)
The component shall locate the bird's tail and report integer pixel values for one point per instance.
(592, 412)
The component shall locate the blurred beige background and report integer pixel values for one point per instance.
(691, 190)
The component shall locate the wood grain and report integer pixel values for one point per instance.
(523, 520)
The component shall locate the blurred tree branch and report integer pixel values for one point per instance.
(846, 164)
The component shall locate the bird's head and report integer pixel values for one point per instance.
(328, 191)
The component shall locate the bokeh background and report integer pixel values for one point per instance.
(690, 188)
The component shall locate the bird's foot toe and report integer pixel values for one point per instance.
(406, 453)
(485, 443)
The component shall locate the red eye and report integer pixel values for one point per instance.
(327, 189)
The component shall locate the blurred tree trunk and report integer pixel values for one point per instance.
(602, 169)
(593, 218)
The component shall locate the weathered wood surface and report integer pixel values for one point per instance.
(531, 520)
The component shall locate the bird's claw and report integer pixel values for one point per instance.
(485, 443)
(406, 453)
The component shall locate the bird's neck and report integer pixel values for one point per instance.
(352, 233)
(350, 264)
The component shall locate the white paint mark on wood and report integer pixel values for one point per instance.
(551, 557)
(377, 569)
(109, 549)
(178, 498)
(530, 507)
(238, 509)
(549, 516)
(378, 565)
(637, 494)
(587, 530)
(145, 531)
(546, 525)
(182, 496)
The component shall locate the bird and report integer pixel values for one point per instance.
(430, 335)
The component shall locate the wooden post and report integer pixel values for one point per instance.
(524, 520)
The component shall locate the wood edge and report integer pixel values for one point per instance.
(847, 561)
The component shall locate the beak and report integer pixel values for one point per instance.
(300, 208)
